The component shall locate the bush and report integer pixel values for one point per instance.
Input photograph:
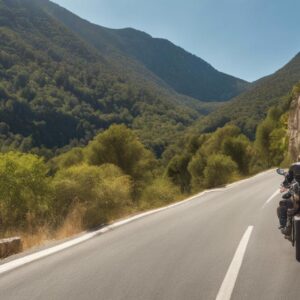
(25, 191)
(219, 170)
(263, 139)
(68, 159)
(120, 146)
(105, 191)
(160, 192)
(215, 140)
(196, 169)
(177, 171)
(239, 149)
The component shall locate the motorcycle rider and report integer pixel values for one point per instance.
(294, 172)
(287, 207)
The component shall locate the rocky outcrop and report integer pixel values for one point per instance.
(10, 246)
(294, 129)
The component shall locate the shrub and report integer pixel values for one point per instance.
(160, 192)
(68, 159)
(120, 146)
(263, 139)
(239, 149)
(215, 140)
(196, 169)
(177, 171)
(25, 191)
(105, 191)
(219, 170)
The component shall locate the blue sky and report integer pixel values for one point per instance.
(245, 38)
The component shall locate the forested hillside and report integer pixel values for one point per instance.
(249, 108)
(57, 91)
(182, 71)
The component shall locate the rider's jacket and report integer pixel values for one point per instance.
(293, 173)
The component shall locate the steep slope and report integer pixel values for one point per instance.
(247, 109)
(55, 90)
(185, 73)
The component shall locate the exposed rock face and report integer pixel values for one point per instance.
(294, 129)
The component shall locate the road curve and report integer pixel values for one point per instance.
(184, 252)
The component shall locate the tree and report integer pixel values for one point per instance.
(215, 141)
(239, 149)
(120, 146)
(219, 170)
(263, 140)
(196, 169)
(177, 171)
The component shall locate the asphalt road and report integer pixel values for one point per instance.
(184, 252)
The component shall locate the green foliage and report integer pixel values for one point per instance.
(240, 151)
(196, 169)
(178, 173)
(103, 190)
(271, 137)
(73, 157)
(120, 146)
(159, 192)
(215, 142)
(219, 170)
(25, 191)
(189, 170)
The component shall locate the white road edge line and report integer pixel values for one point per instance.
(277, 192)
(11, 265)
(229, 281)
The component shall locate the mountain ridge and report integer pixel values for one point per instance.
(182, 71)
(249, 108)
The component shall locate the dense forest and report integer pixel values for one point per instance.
(58, 92)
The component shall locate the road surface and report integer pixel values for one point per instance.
(205, 248)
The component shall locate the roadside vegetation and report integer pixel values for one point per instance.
(116, 175)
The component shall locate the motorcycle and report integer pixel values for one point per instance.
(292, 227)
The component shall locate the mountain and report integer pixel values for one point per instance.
(58, 91)
(185, 73)
(250, 107)
(63, 79)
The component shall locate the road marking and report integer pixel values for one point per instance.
(9, 266)
(271, 197)
(228, 283)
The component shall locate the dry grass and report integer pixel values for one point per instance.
(73, 223)
(37, 238)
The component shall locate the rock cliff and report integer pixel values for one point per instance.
(294, 128)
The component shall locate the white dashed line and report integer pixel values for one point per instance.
(228, 283)
(271, 197)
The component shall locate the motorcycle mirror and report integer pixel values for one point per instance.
(280, 171)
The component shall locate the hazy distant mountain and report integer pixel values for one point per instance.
(185, 73)
(247, 109)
